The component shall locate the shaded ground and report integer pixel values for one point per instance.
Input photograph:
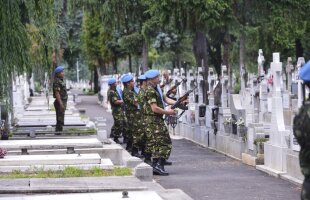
(204, 174)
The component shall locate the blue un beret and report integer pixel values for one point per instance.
(126, 78)
(142, 77)
(59, 69)
(111, 81)
(304, 72)
(152, 73)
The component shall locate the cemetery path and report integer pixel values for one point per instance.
(204, 174)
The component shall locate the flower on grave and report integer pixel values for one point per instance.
(240, 122)
(227, 121)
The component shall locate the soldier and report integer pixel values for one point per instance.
(116, 103)
(61, 96)
(132, 115)
(301, 130)
(159, 141)
(142, 141)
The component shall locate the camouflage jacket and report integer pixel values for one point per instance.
(141, 99)
(130, 98)
(60, 85)
(301, 130)
(152, 96)
(112, 98)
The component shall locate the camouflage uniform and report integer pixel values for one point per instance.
(60, 86)
(132, 114)
(301, 129)
(159, 141)
(141, 139)
(117, 113)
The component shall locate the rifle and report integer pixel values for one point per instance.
(173, 120)
(170, 91)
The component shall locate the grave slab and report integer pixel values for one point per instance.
(64, 159)
(50, 143)
(135, 195)
(105, 164)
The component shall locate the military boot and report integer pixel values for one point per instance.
(135, 153)
(167, 162)
(147, 158)
(158, 168)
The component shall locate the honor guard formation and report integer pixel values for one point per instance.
(139, 112)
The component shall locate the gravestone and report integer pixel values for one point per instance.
(276, 147)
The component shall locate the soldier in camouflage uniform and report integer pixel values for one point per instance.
(142, 139)
(159, 141)
(132, 114)
(61, 96)
(301, 130)
(116, 102)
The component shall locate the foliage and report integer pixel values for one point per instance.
(227, 121)
(260, 140)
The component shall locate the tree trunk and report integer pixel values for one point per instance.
(299, 49)
(242, 60)
(200, 52)
(130, 63)
(102, 67)
(96, 80)
(114, 62)
(145, 52)
(226, 47)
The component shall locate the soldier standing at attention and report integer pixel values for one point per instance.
(116, 102)
(159, 141)
(132, 114)
(142, 140)
(301, 130)
(61, 96)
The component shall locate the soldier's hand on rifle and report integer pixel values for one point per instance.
(185, 102)
(172, 111)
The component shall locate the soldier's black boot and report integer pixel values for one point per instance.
(158, 168)
(167, 162)
(135, 153)
(147, 158)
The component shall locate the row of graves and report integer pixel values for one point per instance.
(254, 126)
(34, 145)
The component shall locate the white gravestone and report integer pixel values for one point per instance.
(224, 87)
(276, 147)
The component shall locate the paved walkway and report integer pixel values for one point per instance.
(204, 174)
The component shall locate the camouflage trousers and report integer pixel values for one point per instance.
(139, 137)
(132, 129)
(60, 116)
(158, 139)
(305, 190)
(118, 126)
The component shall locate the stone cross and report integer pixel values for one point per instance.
(300, 63)
(289, 69)
(211, 82)
(278, 132)
(224, 81)
(260, 62)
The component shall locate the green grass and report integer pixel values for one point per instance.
(84, 117)
(68, 172)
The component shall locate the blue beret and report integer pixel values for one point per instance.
(152, 73)
(59, 69)
(126, 78)
(142, 77)
(111, 81)
(304, 72)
